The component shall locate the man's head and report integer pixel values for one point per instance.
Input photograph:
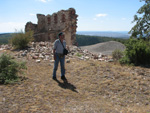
(61, 35)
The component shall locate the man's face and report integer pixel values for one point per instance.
(62, 37)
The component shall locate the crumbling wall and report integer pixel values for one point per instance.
(49, 26)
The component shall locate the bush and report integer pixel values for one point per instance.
(117, 54)
(9, 69)
(137, 52)
(21, 40)
(124, 60)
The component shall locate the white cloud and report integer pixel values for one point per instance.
(31, 14)
(101, 15)
(11, 27)
(44, 1)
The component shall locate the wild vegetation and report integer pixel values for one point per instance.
(137, 52)
(9, 69)
(117, 54)
(21, 40)
(138, 46)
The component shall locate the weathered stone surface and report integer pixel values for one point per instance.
(49, 26)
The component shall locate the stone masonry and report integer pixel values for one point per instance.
(49, 26)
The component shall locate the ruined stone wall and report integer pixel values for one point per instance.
(49, 26)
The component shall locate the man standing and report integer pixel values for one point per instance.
(58, 56)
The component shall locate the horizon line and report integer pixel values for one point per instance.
(78, 31)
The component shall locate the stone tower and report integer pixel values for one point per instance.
(49, 26)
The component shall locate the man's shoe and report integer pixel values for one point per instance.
(63, 78)
(54, 78)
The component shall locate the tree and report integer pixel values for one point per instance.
(142, 27)
(138, 50)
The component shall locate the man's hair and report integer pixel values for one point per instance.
(61, 33)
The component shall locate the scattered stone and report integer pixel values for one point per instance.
(52, 61)
(46, 57)
(1, 49)
(100, 55)
(41, 56)
(24, 54)
(101, 59)
(68, 61)
(81, 58)
(38, 61)
(35, 57)
(110, 60)
(44, 51)
(95, 57)
(86, 57)
(36, 54)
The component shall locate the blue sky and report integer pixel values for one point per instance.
(94, 15)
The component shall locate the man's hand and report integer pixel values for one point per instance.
(54, 57)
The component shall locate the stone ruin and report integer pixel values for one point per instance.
(49, 26)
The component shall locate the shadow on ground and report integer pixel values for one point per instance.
(66, 85)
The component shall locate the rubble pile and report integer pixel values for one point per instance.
(5, 47)
(44, 51)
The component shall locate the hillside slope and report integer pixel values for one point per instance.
(92, 86)
(4, 38)
(105, 48)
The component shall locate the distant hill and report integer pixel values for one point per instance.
(117, 34)
(85, 40)
(82, 40)
(4, 37)
(105, 48)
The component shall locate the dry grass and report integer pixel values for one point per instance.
(92, 87)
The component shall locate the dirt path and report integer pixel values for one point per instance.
(92, 87)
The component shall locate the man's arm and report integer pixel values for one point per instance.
(54, 54)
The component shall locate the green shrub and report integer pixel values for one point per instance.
(117, 54)
(9, 69)
(21, 40)
(124, 60)
(137, 52)
(78, 54)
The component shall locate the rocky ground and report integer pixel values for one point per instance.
(92, 85)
